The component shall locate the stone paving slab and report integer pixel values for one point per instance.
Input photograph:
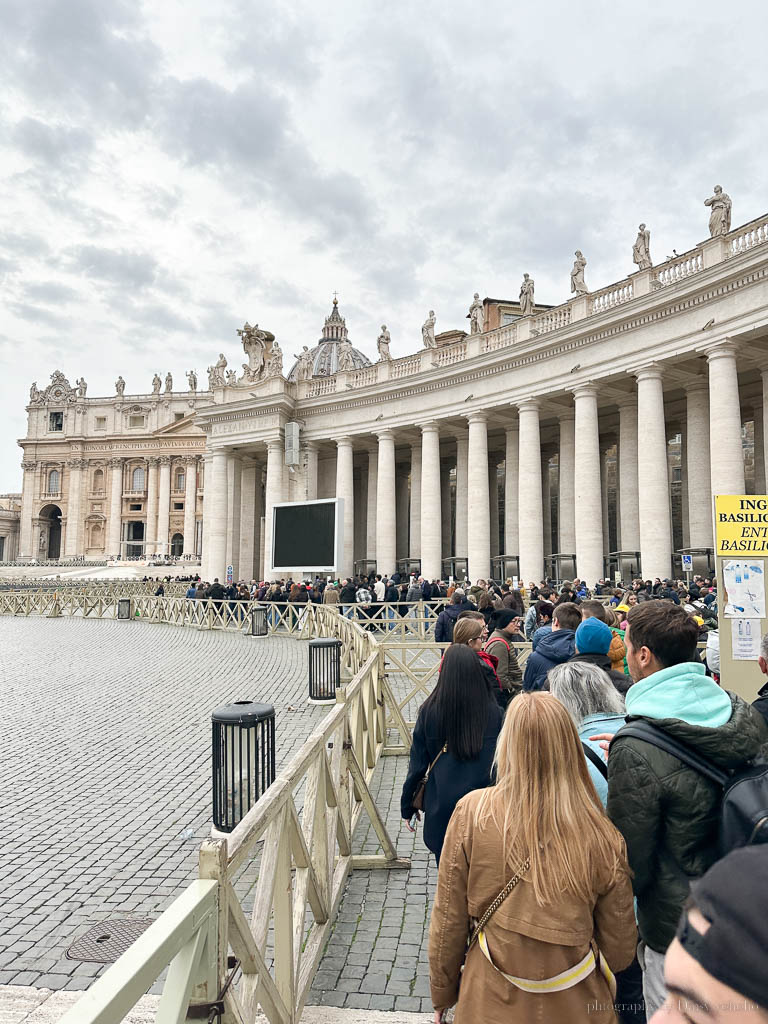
(20, 1005)
(105, 771)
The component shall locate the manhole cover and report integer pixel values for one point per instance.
(105, 942)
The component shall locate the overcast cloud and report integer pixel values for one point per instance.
(171, 169)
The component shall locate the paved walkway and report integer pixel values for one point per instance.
(105, 771)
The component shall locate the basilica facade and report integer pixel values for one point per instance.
(583, 439)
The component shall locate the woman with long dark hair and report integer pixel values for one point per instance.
(453, 743)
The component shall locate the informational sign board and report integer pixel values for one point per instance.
(687, 563)
(617, 576)
(515, 583)
(741, 545)
(230, 573)
(307, 536)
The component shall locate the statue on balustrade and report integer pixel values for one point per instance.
(641, 250)
(526, 296)
(275, 361)
(231, 378)
(192, 380)
(120, 386)
(82, 387)
(578, 284)
(476, 315)
(156, 384)
(255, 347)
(304, 367)
(428, 331)
(168, 383)
(720, 217)
(382, 344)
(346, 356)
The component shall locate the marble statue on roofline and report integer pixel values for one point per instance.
(476, 315)
(168, 383)
(720, 217)
(275, 362)
(428, 330)
(641, 250)
(578, 284)
(120, 386)
(304, 367)
(82, 387)
(382, 344)
(192, 380)
(156, 384)
(526, 296)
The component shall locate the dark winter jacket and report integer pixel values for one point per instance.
(450, 779)
(391, 594)
(620, 680)
(669, 813)
(553, 649)
(446, 620)
(761, 704)
(347, 595)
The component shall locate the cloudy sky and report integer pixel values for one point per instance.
(171, 169)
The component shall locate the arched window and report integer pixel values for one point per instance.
(53, 482)
(179, 479)
(98, 480)
(137, 479)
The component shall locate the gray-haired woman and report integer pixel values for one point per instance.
(593, 703)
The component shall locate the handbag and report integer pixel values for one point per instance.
(417, 803)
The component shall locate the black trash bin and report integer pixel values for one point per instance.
(243, 737)
(258, 621)
(124, 608)
(324, 670)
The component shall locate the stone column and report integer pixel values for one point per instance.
(587, 492)
(725, 448)
(493, 506)
(566, 507)
(415, 539)
(697, 477)
(478, 499)
(311, 448)
(653, 495)
(764, 376)
(207, 512)
(511, 476)
(445, 509)
(218, 490)
(628, 481)
(190, 503)
(401, 501)
(247, 552)
(164, 504)
(546, 503)
(74, 506)
(361, 527)
(604, 504)
(759, 438)
(386, 507)
(234, 499)
(370, 512)
(150, 534)
(431, 516)
(462, 495)
(28, 494)
(115, 507)
(345, 489)
(273, 495)
(531, 520)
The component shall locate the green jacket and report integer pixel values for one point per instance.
(667, 812)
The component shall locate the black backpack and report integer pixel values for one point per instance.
(744, 808)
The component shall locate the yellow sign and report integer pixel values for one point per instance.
(741, 524)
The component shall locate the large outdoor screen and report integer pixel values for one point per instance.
(306, 535)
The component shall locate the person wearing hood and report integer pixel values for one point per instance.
(506, 625)
(446, 620)
(593, 642)
(554, 648)
(667, 812)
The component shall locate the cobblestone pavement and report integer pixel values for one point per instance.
(105, 771)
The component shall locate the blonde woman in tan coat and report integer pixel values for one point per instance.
(548, 952)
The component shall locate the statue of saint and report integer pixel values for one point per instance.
(231, 378)
(192, 380)
(526, 296)
(720, 217)
(156, 384)
(254, 346)
(382, 344)
(168, 383)
(346, 356)
(476, 316)
(82, 387)
(275, 365)
(641, 250)
(120, 386)
(35, 394)
(212, 380)
(304, 367)
(578, 285)
(428, 331)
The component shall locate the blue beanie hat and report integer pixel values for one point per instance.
(593, 637)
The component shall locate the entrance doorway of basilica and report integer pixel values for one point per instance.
(50, 532)
(134, 540)
(177, 545)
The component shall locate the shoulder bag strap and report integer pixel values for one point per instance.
(497, 902)
(442, 751)
(644, 730)
(596, 760)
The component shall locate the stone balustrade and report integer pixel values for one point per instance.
(613, 295)
(748, 236)
(681, 267)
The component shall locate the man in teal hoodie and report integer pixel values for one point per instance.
(667, 812)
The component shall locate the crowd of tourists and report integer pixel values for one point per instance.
(617, 791)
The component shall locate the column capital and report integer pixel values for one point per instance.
(477, 416)
(153, 460)
(344, 442)
(274, 445)
(695, 386)
(115, 461)
(528, 405)
(513, 428)
(311, 446)
(723, 349)
(431, 426)
(29, 464)
(385, 435)
(652, 371)
(587, 390)
(164, 460)
(189, 460)
(567, 414)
